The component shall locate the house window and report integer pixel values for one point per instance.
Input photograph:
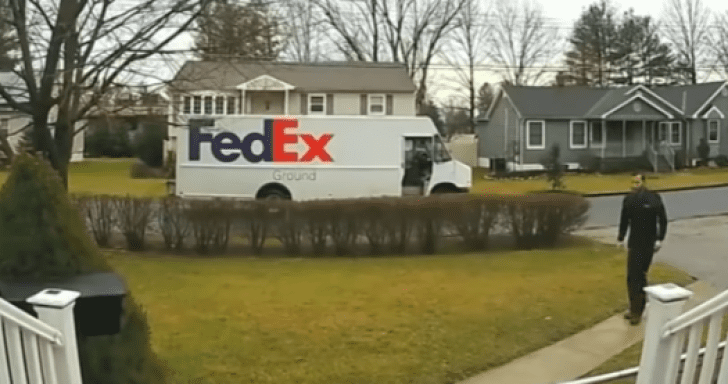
(197, 105)
(376, 104)
(578, 134)
(220, 105)
(535, 135)
(597, 139)
(208, 105)
(670, 131)
(317, 104)
(231, 105)
(713, 131)
(187, 105)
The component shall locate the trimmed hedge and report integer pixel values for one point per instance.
(340, 227)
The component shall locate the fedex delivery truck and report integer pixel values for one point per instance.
(314, 157)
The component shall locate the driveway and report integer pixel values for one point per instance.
(698, 246)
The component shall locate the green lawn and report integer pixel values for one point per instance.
(420, 319)
(109, 177)
(597, 183)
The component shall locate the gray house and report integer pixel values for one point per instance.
(659, 127)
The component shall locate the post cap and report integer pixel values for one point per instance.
(668, 292)
(53, 297)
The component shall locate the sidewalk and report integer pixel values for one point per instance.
(577, 355)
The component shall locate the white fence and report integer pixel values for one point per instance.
(671, 351)
(43, 350)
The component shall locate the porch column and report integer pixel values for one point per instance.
(285, 103)
(604, 138)
(644, 135)
(243, 104)
(624, 138)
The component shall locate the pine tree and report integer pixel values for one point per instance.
(230, 30)
(642, 58)
(593, 46)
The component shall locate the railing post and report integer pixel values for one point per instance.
(666, 302)
(55, 308)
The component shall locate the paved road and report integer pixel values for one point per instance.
(680, 205)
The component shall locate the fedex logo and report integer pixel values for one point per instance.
(227, 146)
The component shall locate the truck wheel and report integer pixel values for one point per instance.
(273, 194)
(443, 189)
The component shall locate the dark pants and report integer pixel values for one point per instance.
(638, 263)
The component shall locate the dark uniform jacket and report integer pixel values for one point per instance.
(641, 212)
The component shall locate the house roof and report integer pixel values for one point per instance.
(554, 101)
(590, 102)
(695, 95)
(318, 77)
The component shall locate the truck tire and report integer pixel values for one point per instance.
(443, 189)
(273, 194)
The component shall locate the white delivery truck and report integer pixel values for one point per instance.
(314, 157)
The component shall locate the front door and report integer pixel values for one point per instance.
(614, 140)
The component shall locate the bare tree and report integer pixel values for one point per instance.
(406, 31)
(73, 51)
(466, 50)
(305, 35)
(685, 26)
(522, 42)
(719, 43)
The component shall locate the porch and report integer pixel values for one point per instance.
(619, 141)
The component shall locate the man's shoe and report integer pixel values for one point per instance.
(635, 320)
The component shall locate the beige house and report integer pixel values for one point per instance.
(277, 88)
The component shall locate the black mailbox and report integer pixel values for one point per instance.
(98, 311)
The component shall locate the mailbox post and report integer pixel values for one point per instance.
(98, 309)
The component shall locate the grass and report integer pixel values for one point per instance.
(426, 319)
(597, 183)
(108, 177)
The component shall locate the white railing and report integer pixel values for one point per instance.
(43, 350)
(652, 157)
(673, 340)
(668, 153)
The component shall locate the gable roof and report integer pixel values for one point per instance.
(554, 101)
(317, 77)
(696, 95)
(591, 102)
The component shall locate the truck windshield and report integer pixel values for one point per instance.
(441, 153)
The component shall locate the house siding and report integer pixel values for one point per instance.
(404, 104)
(647, 113)
(347, 103)
(492, 133)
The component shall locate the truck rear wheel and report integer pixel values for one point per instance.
(273, 194)
(442, 189)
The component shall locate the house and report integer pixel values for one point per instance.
(131, 111)
(280, 88)
(14, 124)
(659, 127)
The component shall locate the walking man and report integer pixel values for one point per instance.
(644, 214)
